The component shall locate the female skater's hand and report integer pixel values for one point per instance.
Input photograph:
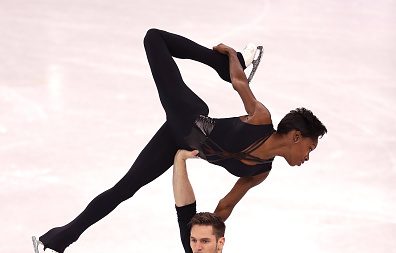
(185, 154)
(224, 49)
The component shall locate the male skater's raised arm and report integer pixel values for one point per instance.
(198, 231)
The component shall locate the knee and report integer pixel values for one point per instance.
(125, 189)
(120, 194)
(151, 34)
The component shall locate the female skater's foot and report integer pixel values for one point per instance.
(252, 55)
(57, 239)
(37, 245)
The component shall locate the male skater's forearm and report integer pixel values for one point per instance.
(182, 189)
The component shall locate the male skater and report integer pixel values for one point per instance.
(199, 232)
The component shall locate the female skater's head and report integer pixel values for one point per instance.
(207, 233)
(302, 129)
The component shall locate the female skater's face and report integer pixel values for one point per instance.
(203, 240)
(300, 149)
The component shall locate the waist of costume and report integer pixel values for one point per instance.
(209, 149)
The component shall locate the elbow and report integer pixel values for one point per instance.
(239, 83)
(224, 206)
(223, 210)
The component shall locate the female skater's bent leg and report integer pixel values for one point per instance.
(153, 161)
(183, 48)
(180, 103)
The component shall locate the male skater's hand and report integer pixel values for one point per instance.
(183, 155)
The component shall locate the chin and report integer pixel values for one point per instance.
(290, 163)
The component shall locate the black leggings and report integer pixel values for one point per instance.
(181, 106)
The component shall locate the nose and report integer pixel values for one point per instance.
(198, 247)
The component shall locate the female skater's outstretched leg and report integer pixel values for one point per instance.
(153, 161)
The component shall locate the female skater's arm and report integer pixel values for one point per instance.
(182, 189)
(241, 84)
(243, 185)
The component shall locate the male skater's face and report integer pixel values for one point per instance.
(203, 240)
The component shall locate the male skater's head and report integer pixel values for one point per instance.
(207, 233)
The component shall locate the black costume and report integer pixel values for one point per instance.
(221, 144)
(184, 216)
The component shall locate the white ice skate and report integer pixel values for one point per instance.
(39, 246)
(252, 55)
(36, 244)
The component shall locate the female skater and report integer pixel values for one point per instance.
(245, 145)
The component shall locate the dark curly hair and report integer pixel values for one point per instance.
(304, 121)
(209, 219)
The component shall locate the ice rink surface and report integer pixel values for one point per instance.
(78, 103)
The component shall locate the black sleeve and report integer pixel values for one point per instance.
(184, 215)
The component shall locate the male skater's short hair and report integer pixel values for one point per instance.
(209, 219)
(304, 121)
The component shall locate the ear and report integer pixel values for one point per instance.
(220, 244)
(297, 136)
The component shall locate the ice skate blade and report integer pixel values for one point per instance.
(36, 244)
(256, 63)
